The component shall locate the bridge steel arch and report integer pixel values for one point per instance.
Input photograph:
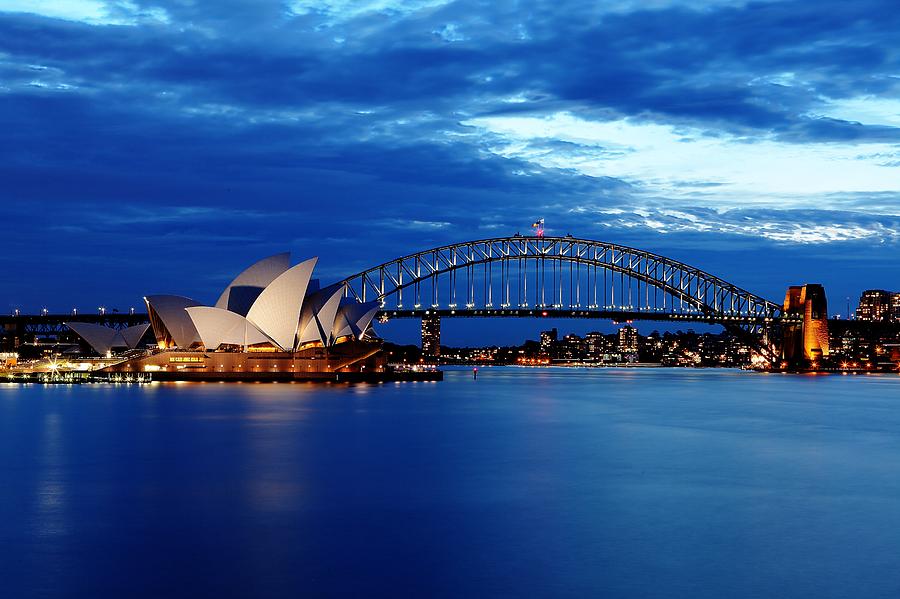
(428, 282)
(411, 285)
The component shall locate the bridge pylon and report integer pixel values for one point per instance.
(805, 340)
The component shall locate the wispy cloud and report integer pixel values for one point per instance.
(685, 161)
(350, 9)
(782, 226)
(867, 110)
(93, 12)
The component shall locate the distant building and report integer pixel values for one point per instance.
(571, 347)
(628, 340)
(431, 336)
(548, 339)
(878, 305)
(595, 345)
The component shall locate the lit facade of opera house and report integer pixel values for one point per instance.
(273, 322)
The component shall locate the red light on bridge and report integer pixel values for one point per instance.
(544, 313)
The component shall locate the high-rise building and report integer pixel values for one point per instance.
(548, 339)
(628, 340)
(877, 305)
(595, 344)
(571, 347)
(431, 336)
(895, 306)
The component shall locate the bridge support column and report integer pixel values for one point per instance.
(807, 342)
(431, 336)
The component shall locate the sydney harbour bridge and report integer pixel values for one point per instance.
(565, 277)
(535, 277)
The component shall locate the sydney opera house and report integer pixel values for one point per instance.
(273, 322)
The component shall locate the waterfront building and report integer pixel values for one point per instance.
(628, 340)
(548, 340)
(269, 307)
(571, 348)
(596, 345)
(272, 321)
(876, 305)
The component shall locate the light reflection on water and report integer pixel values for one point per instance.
(534, 482)
(50, 492)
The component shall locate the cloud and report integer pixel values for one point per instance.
(781, 226)
(423, 225)
(74, 10)
(351, 9)
(867, 110)
(93, 12)
(692, 126)
(685, 161)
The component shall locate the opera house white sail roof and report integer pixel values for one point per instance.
(171, 323)
(270, 304)
(246, 287)
(276, 312)
(318, 315)
(217, 327)
(103, 339)
(353, 319)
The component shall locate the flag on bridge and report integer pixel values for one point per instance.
(538, 227)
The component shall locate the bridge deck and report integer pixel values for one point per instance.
(593, 313)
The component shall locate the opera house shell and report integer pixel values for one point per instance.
(273, 321)
(106, 340)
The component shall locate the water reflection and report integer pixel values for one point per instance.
(526, 482)
(50, 492)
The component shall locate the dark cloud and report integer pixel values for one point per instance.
(240, 126)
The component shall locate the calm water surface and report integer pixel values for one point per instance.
(526, 482)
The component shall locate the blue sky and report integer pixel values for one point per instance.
(161, 146)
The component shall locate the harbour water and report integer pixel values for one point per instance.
(523, 483)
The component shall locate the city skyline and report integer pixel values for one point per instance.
(757, 141)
